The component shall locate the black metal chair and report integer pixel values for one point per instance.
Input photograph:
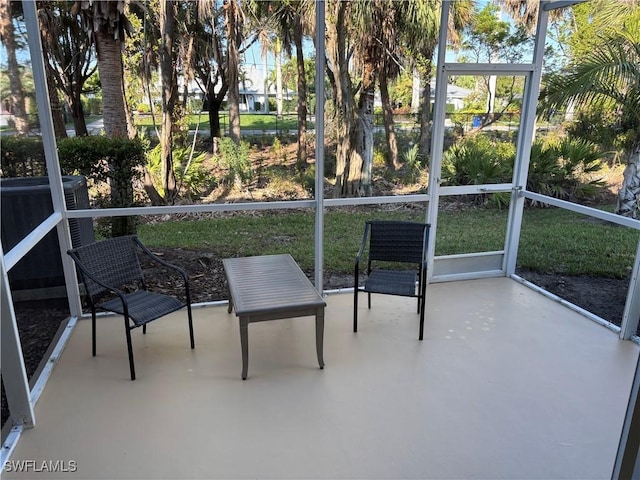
(393, 245)
(114, 281)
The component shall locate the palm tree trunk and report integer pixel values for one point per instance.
(348, 160)
(169, 98)
(425, 114)
(364, 142)
(629, 196)
(387, 113)
(112, 79)
(233, 40)
(302, 96)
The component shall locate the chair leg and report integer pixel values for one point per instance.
(355, 308)
(190, 325)
(422, 299)
(132, 367)
(144, 329)
(369, 300)
(422, 308)
(93, 330)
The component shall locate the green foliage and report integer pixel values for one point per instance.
(601, 126)
(112, 165)
(478, 160)
(413, 162)
(562, 169)
(235, 159)
(22, 157)
(191, 174)
(102, 159)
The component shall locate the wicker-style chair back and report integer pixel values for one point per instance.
(113, 261)
(396, 241)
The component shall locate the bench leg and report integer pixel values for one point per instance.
(320, 335)
(244, 344)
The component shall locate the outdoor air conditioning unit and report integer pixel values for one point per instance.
(25, 203)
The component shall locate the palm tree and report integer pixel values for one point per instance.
(107, 23)
(609, 76)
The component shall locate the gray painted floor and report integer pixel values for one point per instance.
(507, 384)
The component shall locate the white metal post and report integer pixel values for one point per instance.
(437, 136)
(14, 374)
(319, 192)
(631, 315)
(51, 152)
(525, 139)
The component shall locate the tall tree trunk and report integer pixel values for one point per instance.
(415, 91)
(629, 196)
(301, 158)
(13, 69)
(348, 160)
(77, 114)
(387, 113)
(112, 79)
(233, 40)
(278, 55)
(364, 139)
(169, 98)
(59, 128)
(425, 113)
(114, 114)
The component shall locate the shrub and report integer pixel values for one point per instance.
(192, 177)
(111, 162)
(562, 169)
(235, 159)
(413, 162)
(478, 160)
(22, 157)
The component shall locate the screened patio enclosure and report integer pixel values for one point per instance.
(461, 266)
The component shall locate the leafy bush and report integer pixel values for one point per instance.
(192, 177)
(22, 157)
(235, 159)
(413, 163)
(562, 169)
(478, 160)
(112, 163)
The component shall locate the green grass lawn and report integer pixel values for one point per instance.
(248, 121)
(552, 241)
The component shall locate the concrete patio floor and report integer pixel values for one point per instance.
(507, 384)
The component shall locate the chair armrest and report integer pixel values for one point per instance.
(157, 259)
(363, 246)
